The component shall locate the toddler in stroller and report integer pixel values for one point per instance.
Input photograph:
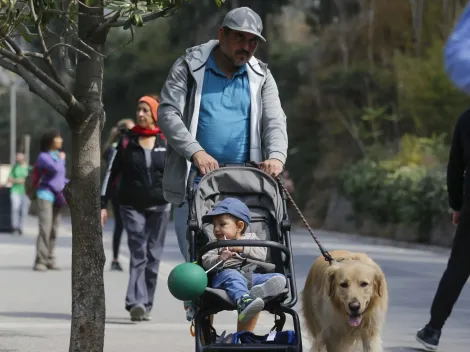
(241, 273)
(261, 236)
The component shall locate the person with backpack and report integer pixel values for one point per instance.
(19, 200)
(117, 137)
(49, 181)
(144, 211)
(220, 104)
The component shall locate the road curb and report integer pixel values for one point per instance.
(301, 231)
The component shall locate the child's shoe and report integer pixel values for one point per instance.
(248, 307)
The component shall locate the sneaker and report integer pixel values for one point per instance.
(190, 309)
(137, 312)
(248, 307)
(53, 266)
(271, 288)
(116, 266)
(147, 316)
(429, 338)
(40, 267)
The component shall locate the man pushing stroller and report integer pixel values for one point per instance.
(240, 271)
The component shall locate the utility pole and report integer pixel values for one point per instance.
(27, 144)
(13, 88)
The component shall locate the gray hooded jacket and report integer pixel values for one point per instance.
(178, 115)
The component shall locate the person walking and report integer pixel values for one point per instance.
(144, 211)
(50, 200)
(458, 267)
(220, 105)
(457, 67)
(117, 136)
(19, 200)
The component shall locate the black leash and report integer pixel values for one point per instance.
(323, 251)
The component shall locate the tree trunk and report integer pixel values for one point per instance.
(83, 194)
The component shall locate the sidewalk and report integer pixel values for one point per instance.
(35, 308)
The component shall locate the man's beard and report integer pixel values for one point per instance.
(235, 62)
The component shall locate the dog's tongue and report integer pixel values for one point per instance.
(354, 320)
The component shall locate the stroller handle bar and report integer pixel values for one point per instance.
(194, 173)
(243, 243)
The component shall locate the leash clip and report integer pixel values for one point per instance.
(192, 329)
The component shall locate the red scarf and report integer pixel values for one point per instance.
(144, 132)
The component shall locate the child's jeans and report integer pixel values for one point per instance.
(235, 283)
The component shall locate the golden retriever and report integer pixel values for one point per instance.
(345, 303)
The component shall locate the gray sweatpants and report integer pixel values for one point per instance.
(49, 220)
(146, 237)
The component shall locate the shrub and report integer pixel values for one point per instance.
(405, 194)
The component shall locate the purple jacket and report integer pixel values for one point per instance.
(52, 173)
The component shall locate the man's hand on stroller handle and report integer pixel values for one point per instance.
(204, 162)
(272, 166)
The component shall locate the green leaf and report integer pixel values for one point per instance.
(24, 34)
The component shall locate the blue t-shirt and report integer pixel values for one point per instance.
(224, 117)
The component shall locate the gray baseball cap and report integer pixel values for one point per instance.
(244, 19)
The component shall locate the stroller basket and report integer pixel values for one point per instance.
(267, 203)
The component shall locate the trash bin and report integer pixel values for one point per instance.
(5, 210)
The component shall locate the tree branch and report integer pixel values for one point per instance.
(114, 21)
(16, 48)
(123, 45)
(68, 46)
(8, 65)
(107, 24)
(59, 89)
(27, 31)
(34, 54)
(47, 57)
(35, 86)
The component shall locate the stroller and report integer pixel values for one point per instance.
(267, 202)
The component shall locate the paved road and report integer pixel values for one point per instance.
(35, 307)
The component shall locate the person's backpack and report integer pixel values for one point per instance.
(31, 183)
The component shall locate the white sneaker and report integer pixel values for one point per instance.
(271, 288)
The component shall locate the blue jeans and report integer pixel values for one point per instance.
(19, 207)
(235, 283)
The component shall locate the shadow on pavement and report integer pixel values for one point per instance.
(120, 321)
(16, 267)
(55, 316)
(30, 268)
(61, 316)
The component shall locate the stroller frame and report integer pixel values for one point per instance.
(205, 334)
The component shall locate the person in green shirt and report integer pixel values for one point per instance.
(19, 200)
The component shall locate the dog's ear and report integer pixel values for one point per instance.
(331, 280)
(379, 284)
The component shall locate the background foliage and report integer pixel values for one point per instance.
(364, 95)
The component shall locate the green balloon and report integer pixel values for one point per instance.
(187, 281)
